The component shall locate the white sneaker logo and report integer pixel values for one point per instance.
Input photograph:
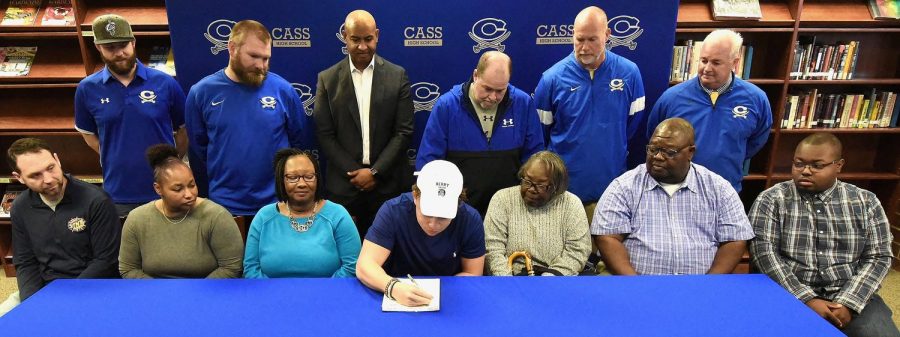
(574, 88)
(217, 103)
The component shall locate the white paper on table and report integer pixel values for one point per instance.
(432, 286)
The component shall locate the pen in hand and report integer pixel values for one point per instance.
(412, 280)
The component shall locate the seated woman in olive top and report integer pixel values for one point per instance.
(180, 235)
(301, 235)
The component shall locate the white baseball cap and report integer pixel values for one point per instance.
(440, 183)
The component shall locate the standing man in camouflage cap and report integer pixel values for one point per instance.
(123, 109)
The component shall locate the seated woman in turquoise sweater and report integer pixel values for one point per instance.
(301, 235)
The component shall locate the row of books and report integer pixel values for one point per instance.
(16, 61)
(817, 110)
(686, 61)
(824, 61)
(25, 13)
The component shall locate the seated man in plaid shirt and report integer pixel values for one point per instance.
(826, 241)
(670, 216)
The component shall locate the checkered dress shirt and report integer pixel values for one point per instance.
(834, 245)
(672, 235)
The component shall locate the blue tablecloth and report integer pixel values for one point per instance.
(716, 305)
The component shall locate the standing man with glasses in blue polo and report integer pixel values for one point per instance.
(670, 216)
(825, 241)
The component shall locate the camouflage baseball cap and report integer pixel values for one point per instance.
(111, 28)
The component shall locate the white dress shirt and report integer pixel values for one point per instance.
(362, 85)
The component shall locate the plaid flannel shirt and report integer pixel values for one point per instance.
(834, 245)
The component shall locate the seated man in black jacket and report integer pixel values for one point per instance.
(62, 227)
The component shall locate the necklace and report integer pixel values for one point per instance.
(296, 225)
(175, 222)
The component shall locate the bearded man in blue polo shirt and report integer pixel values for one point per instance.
(485, 126)
(125, 108)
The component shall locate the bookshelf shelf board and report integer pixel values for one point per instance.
(755, 176)
(864, 81)
(32, 123)
(39, 85)
(93, 179)
(851, 30)
(844, 131)
(840, 13)
(849, 176)
(141, 16)
(737, 29)
(36, 29)
(36, 34)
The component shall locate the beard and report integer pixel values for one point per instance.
(248, 76)
(117, 66)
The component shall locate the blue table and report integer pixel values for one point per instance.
(720, 305)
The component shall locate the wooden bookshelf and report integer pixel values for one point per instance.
(41, 103)
(872, 155)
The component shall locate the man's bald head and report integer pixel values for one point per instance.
(823, 138)
(359, 17)
(494, 59)
(675, 128)
(591, 15)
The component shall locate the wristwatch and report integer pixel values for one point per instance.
(373, 170)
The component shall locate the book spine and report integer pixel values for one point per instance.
(853, 64)
(845, 111)
(748, 62)
(887, 108)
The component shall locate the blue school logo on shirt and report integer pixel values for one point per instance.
(268, 102)
(148, 96)
(740, 111)
(616, 84)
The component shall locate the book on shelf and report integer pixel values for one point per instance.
(20, 13)
(58, 13)
(885, 9)
(814, 61)
(12, 191)
(161, 58)
(16, 61)
(812, 110)
(686, 61)
(736, 10)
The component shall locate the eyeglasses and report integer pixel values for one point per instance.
(293, 179)
(815, 167)
(540, 188)
(668, 153)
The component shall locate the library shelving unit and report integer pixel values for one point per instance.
(872, 155)
(41, 103)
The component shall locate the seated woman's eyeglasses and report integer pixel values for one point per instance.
(668, 153)
(293, 179)
(528, 184)
(812, 166)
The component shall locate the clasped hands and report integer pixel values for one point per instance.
(835, 313)
(362, 179)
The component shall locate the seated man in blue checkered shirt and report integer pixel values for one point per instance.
(826, 241)
(670, 216)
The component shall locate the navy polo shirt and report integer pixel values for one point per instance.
(414, 252)
(128, 120)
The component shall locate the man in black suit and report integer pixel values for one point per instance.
(364, 119)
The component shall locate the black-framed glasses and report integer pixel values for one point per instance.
(293, 179)
(815, 167)
(540, 188)
(668, 153)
